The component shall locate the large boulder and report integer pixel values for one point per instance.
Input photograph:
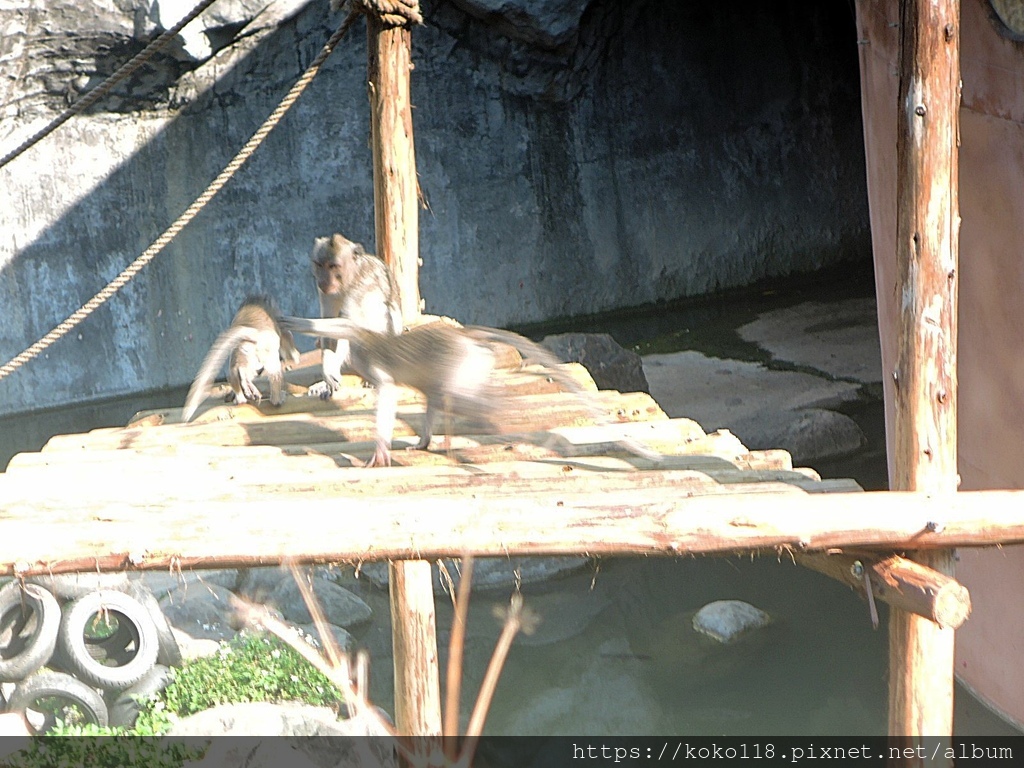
(610, 365)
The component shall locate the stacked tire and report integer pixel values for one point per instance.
(81, 648)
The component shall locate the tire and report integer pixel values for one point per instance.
(72, 647)
(117, 647)
(125, 708)
(169, 654)
(69, 586)
(27, 642)
(51, 693)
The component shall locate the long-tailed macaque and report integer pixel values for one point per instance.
(357, 286)
(256, 343)
(452, 366)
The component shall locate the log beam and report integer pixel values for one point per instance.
(903, 584)
(395, 188)
(924, 429)
(414, 641)
(389, 51)
(238, 529)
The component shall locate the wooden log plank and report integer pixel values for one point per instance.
(485, 482)
(902, 583)
(236, 462)
(924, 426)
(534, 413)
(670, 436)
(232, 532)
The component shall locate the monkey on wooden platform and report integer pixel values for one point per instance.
(256, 344)
(453, 367)
(357, 286)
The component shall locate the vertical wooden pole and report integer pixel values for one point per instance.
(927, 238)
(414, 642)
(395, 188)
(414, 633)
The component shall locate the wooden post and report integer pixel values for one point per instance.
(395, 188)
(414, 633)
(903, 584)
(414, 641)
(927, 232)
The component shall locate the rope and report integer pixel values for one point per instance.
(395, 13)
(97, 93)
(190, 213)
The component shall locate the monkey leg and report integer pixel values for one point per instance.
(276, 376)
(387, 407)
(381, 456)
(250, 390)
(428, 426)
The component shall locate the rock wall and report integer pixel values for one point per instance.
(574, 156)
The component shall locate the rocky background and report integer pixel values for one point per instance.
(574, 156)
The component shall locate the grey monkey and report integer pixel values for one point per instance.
(453, 367)
(255, 343)
(357, 286)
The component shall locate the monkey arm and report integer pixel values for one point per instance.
(331, 364)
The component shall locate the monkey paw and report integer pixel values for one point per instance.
(381, 457)
(321, 389)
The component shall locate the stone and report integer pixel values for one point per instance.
(582, 704)
(341, 636)
(340, 606)
(610, 365)
(726, 620)
(839, 339)
(161, 583)
(816, 434)
(256, 584)
(721, 394)
(194, 647)
(268, 719)
(563, 616)
(271, 735)
(203, 611)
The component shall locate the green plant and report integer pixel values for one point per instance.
(251, 667)
(107, 751)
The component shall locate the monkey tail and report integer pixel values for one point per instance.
(535, 353)
(531, 352)
(222, 347)
(330, 327)
(288, 349)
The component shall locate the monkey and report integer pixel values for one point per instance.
(453, 367)
(256, 343)
(357, 286)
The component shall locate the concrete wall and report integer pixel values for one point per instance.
(575, 157)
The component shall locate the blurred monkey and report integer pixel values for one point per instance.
(255, 343)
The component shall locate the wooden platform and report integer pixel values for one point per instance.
(244, 485)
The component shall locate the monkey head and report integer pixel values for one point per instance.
(334, 263)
